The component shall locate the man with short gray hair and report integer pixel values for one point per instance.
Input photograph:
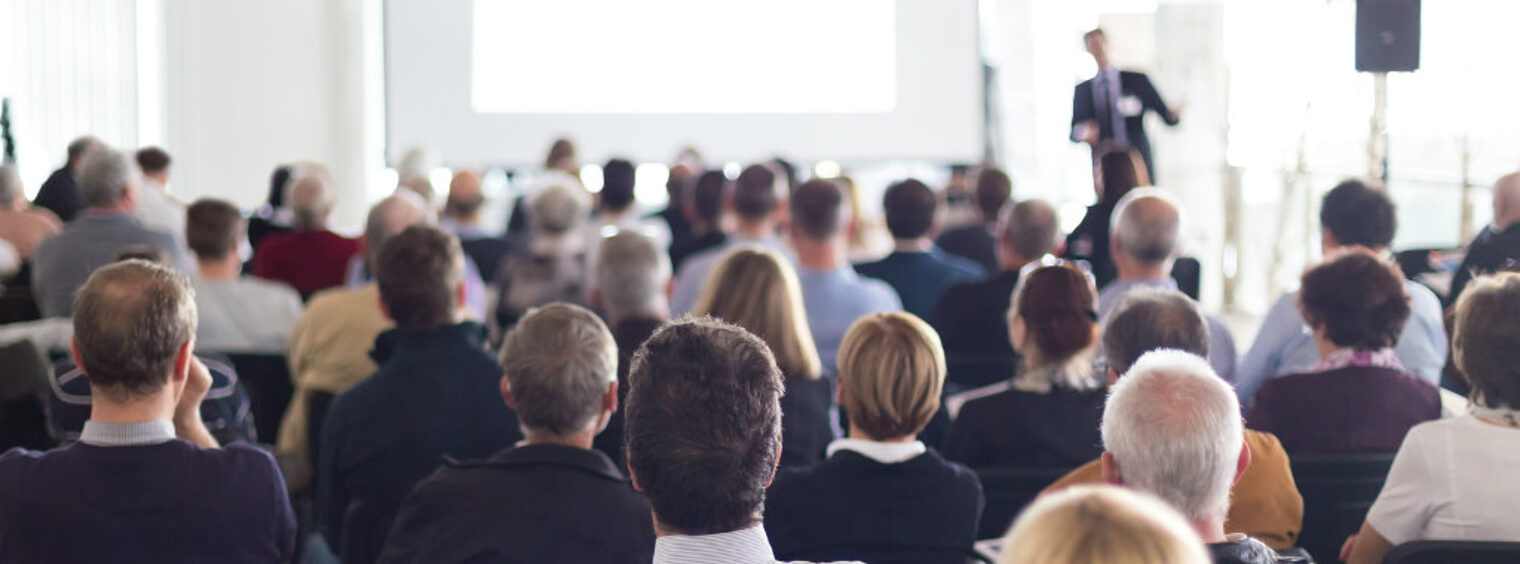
(1144, 242)
(1173, 429)
(108, 183)
(309, 257)
(561, 365)
(632, 289)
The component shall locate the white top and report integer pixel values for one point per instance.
(157, 211)
(744, 546)
(247, 315)
(885, 453)
(1452, 480)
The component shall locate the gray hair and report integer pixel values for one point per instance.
(632, 273)
(1174, 430)
(391, 216)
(1147, 223)
(1153, 318)
(309, 199)
(130, 320)
(10, 185)
(104, 174)
(556, 209)
(1030, 228)
(558, 361)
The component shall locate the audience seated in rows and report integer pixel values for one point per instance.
(755, 205)
(60, 193)
(1046, 414)
(978, 242)
(433, 396)
(309, 257)
(553, 266)
(756, 289)
(1264, 503)
(156, 209)
(1358, 398)
(330, 345)
(1101, 525)
(616, 209)
(704, 440)
(1351, 215)
(21, 225)
(684, 170)
(1497, 247)
(1117, 171)
(834, 295)
(1146, 238)
(632, 285)
(109, 183)
(916, 269)
(551, 498)
(704, 214)
(359, 271)
(1172, 429)
(238, 313)
(881, 496)
(1452, 479)
(972, 318)
(146, 479)
(461, 217)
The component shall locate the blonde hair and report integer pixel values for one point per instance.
(756, 289)
(1101, 524)
(891, 373)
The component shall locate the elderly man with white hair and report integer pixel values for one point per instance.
(1497, 247)
(309, 257)
(632, 290)
(1173, 429)
(108, 182)
(1145, 240)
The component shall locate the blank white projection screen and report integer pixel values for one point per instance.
(493, 82)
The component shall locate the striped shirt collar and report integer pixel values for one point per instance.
(105, 434)
(744, 546)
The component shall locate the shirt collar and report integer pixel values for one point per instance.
(885, 453)
(107, 434)
(1342, 358)
(744, 546)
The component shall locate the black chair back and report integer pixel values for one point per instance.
(1337, 490)
(267, 379)
(1007, 492)
(1453, 552)
(1188, 273)
(23, 379)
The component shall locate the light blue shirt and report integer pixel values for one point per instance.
(696, 269)
(1222, 353)
(835, 299)
(1284, 345)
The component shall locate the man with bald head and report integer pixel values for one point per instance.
(1145, 240)
(1497, 247)
(390, 216)
(309, 257)
(461, 216)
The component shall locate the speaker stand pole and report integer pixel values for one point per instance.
(1377, 138)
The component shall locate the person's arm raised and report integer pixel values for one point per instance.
(187, 415)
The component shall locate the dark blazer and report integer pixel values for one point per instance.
(1089, 242)
(972, 321)
(60, 195)
(436, 395)
(851, 507)
(973, 242)
(807, 420)
(1020, 429)
(488, 253)
(920, 278)
(683, 250)
(1491, 251)
(533, 503)
(1356, 409)
(629, 334)
(1131, 85)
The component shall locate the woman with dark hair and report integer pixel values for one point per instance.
(272, 217)
(1047, 415)
(1359, 398)
(1118, 171)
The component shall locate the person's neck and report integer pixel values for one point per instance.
(118, 208)
(135, 410)
(663, 530)
(919, 245)
(1324, 346)
(818, 255)
(1210, 529)
(579, 439)
(859, 435)
(224, 268)
(158, 181)
(1133, 272)
(755, 229)
(465, 220)
(661, 314)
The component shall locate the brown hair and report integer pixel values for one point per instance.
(130, 319)
(891, 373)
(1120, 170)
(755, 195)
(993, 191)
(213, 228)
(561, 153)
(1358, 299)
(419, 271)
(152, 160)
(909, 209)
(756, 289)
(818, 210)
(1484, 337)
(1058, 305)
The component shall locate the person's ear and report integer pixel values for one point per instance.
(460, 293)
(1060, 248)
(1110, 469)
(182, 360)
(610, 399)
(670, 287)
(1018, 332)
(1113, 376)
(596, 299)
(1242, 463)
(74, 353)
(774, 467)
(506, 393)
(633, 478)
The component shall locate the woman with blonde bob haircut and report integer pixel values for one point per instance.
(756, 289)
(1098, 525)
(881, 496)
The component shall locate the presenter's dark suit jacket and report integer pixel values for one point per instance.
(1131, 84)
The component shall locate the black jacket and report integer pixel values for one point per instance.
(807, 420)
(1252, 551)
(60, 195)
(533, 503)
(851, 507)
(1021, 429)
(972, 321)
(1135, 86)
(1491, 251)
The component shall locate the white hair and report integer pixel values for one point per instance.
(1148, 232)
(632, 273)
(103, 174)
(1174, 430)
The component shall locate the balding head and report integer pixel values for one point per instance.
(132, 322)
(1147, 224)
(632, 275)
(310, 199)
(1173, 429)
(1507, 200)
(1027, 231)
(1148, 319)
(391, 216)
(465, 198)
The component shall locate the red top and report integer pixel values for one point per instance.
(309, 261)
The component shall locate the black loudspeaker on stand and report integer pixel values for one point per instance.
(1387, 35)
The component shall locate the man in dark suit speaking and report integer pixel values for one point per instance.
(1108, 110)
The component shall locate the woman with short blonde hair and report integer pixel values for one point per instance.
(1099, 525)
(881, 496)
(755, 288)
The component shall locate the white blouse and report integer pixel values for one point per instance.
(1453, 479)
